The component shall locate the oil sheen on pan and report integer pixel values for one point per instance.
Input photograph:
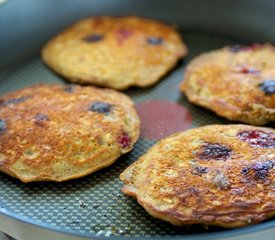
(161, 118)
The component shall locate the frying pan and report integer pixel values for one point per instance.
(93, 206)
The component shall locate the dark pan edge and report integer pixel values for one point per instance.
(230, 234)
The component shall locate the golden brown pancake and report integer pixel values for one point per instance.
(221, 175)
(237, 83)
(61, 132)
(115, 52)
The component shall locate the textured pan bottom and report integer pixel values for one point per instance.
(95, 204)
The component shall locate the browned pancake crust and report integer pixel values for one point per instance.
(228, 82)
(116, 52)
(61, 132)
(220, 175)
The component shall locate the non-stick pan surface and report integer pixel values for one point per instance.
(94, 206)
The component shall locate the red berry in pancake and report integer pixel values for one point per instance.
(258, 138)
(124, 140)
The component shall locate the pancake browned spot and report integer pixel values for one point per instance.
(64, 132)
(210, 175)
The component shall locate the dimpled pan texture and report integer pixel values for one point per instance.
(115, 52)
(235, 82)
(214, 175)
(60, 132)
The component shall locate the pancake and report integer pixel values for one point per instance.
(115, 52)
(236, 82)
(220, 175)
(61, 132)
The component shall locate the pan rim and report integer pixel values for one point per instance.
(213, 235)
